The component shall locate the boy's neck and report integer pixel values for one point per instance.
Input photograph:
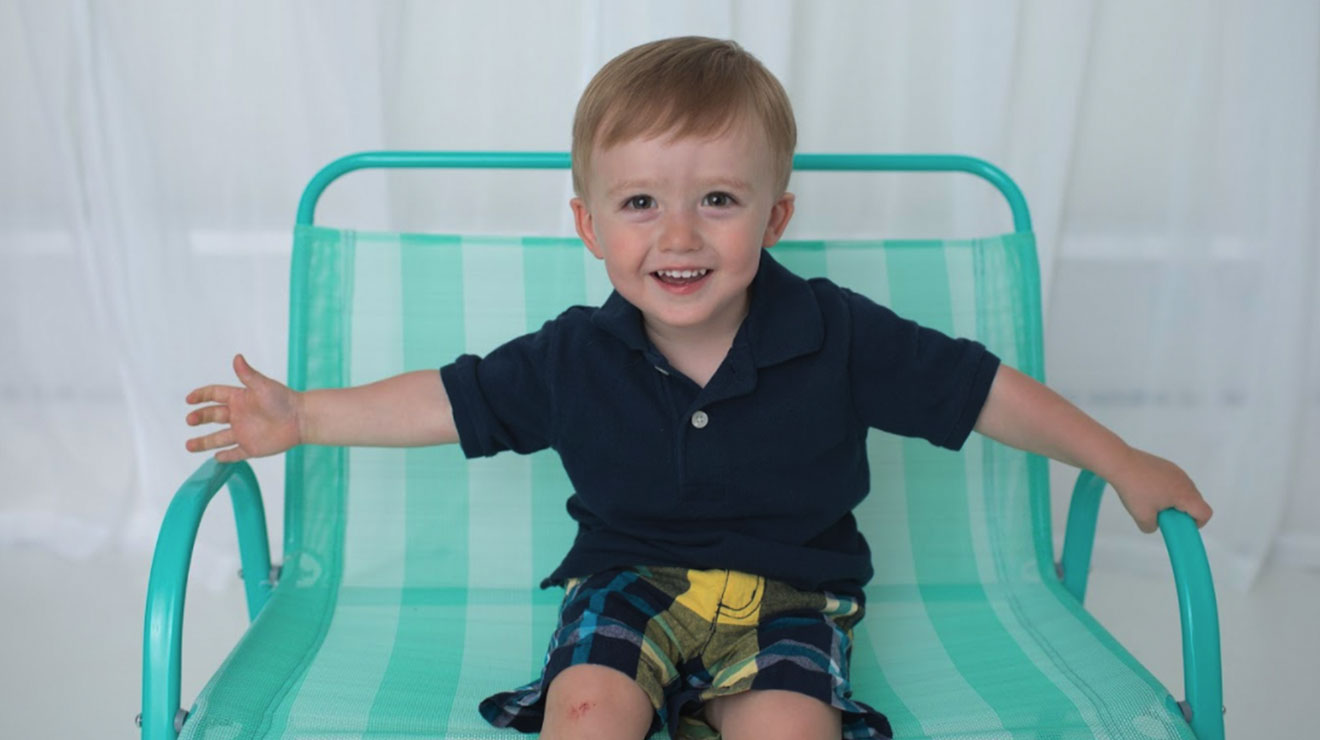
(697, 352)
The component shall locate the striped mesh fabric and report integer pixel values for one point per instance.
(410, 591)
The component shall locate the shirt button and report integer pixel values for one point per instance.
(700, 420)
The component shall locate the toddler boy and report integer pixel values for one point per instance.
(712, 417)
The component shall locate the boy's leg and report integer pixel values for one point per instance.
(772, 714)
(586, 701)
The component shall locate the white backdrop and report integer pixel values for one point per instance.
(152, 155)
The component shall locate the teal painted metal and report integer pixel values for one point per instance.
(162, 639)
(1202, 667)
(560, 160)
(1079, 536)
(422, 160)
(925, 163)
(1197, 608)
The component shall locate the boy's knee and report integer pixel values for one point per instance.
(769, 714)
(588, 701)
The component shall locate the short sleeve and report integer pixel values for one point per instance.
(503, 401)
(915, 381)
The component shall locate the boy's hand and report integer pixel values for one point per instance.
(1148, 484)
(264, 416)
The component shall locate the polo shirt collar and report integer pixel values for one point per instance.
(782, 322)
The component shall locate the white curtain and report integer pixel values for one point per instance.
(1184, 282)
(152, 155)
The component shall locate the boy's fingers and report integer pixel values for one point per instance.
(216, 393)
(209, 415)
(222, 438)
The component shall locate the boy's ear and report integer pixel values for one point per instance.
(780, 214)
(585, 227)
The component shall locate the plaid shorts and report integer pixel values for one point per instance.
(688, 636)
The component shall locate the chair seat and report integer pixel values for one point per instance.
(943, 661)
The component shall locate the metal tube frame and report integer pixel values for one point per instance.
(162, 638)
(1198, 610)
(561, 161)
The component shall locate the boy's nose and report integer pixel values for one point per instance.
(680, 233)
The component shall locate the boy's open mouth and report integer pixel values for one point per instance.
(680, 278)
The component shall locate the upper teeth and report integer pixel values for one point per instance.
(682, 273)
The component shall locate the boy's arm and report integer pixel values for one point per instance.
(407, 410)
(1027, 415)
(266, 417)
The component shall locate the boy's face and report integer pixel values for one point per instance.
(680, 224)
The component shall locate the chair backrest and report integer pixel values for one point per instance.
(377, 304)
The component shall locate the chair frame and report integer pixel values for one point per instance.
(162, 716)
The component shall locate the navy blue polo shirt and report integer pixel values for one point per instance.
(759, 470)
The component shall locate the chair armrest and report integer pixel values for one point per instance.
(162, 637)
(1075, 564)
(1199, 612)
(1197, 607)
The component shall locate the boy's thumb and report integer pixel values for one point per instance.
(244, 371)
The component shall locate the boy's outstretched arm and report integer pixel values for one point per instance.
(1027, 415)
(266, 417)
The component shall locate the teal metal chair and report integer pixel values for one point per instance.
(408, 585)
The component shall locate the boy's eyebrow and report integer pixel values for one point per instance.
(619, 187)
(643, 184)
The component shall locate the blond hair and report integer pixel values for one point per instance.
(686, 86)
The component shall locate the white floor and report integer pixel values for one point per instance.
(70, 644)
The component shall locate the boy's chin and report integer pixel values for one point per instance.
(685, 320)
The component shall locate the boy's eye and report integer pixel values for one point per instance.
(718, 200)
(639, 202)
